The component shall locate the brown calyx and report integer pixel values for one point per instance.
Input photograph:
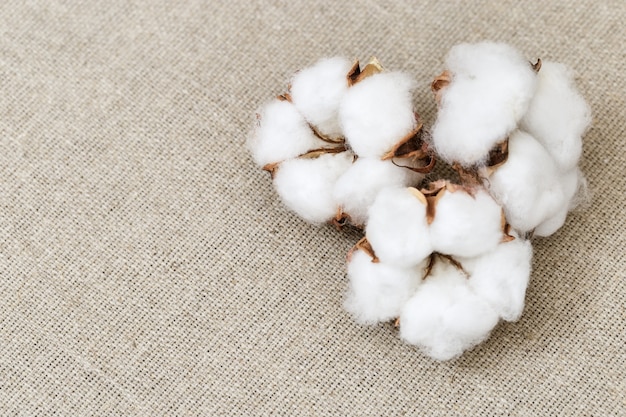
(536, 66)
(414, 149)
(418, 194)
(474, 175)
(271, 168)
(498, 155)
(431, 208)
(437, 189)
(419, 165)
(285, 97)
(410, 145)
(340, 219)
(433, 193)
(356, 74)
(316, 153)
(439, 83)
(467, 176)
(434, 187)
(326, 138)
(365, 246)
(454, 263)
(441, 256)
(506, 229)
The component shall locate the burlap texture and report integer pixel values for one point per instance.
(148, 269)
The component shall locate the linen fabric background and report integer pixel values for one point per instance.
(147, 267)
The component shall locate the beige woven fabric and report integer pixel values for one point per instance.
(148, 269)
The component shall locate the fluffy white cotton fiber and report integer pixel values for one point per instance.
(357, 188)
(464, 224)
(528, 185)
(282, 133)
(558, 115)
(306, 185)
(443, 259)
(317, 91)
(490, 91)
(500, 277)
(572, 183)
(378, 291)
(397, 228)
(445, 317)
(377, 112)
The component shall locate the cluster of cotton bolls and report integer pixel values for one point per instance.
(445, 261)
(339, 136)
(491, 96)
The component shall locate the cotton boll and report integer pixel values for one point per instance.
(528, 185)
(282, 134)
(490, 91)
(377, 112)
(466, 225)
(558, 115)
(316, 91)
(378, 291)
(571, 182)
(357, 188)
(397, 227)
(306, 185)
(445, 317)
(501, 276)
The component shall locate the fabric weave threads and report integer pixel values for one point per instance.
(147, 268)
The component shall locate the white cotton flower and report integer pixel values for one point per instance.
(571, 182)
(445, 317)
(358, 187)
(558, 115)
(317, 91)
(377, 291)
(281, 134)
(501, 276)
(306, 185)
(397, 228)
(377, 112)
(442, 260)
(464, 224)
(528, 185)
(489, 93)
